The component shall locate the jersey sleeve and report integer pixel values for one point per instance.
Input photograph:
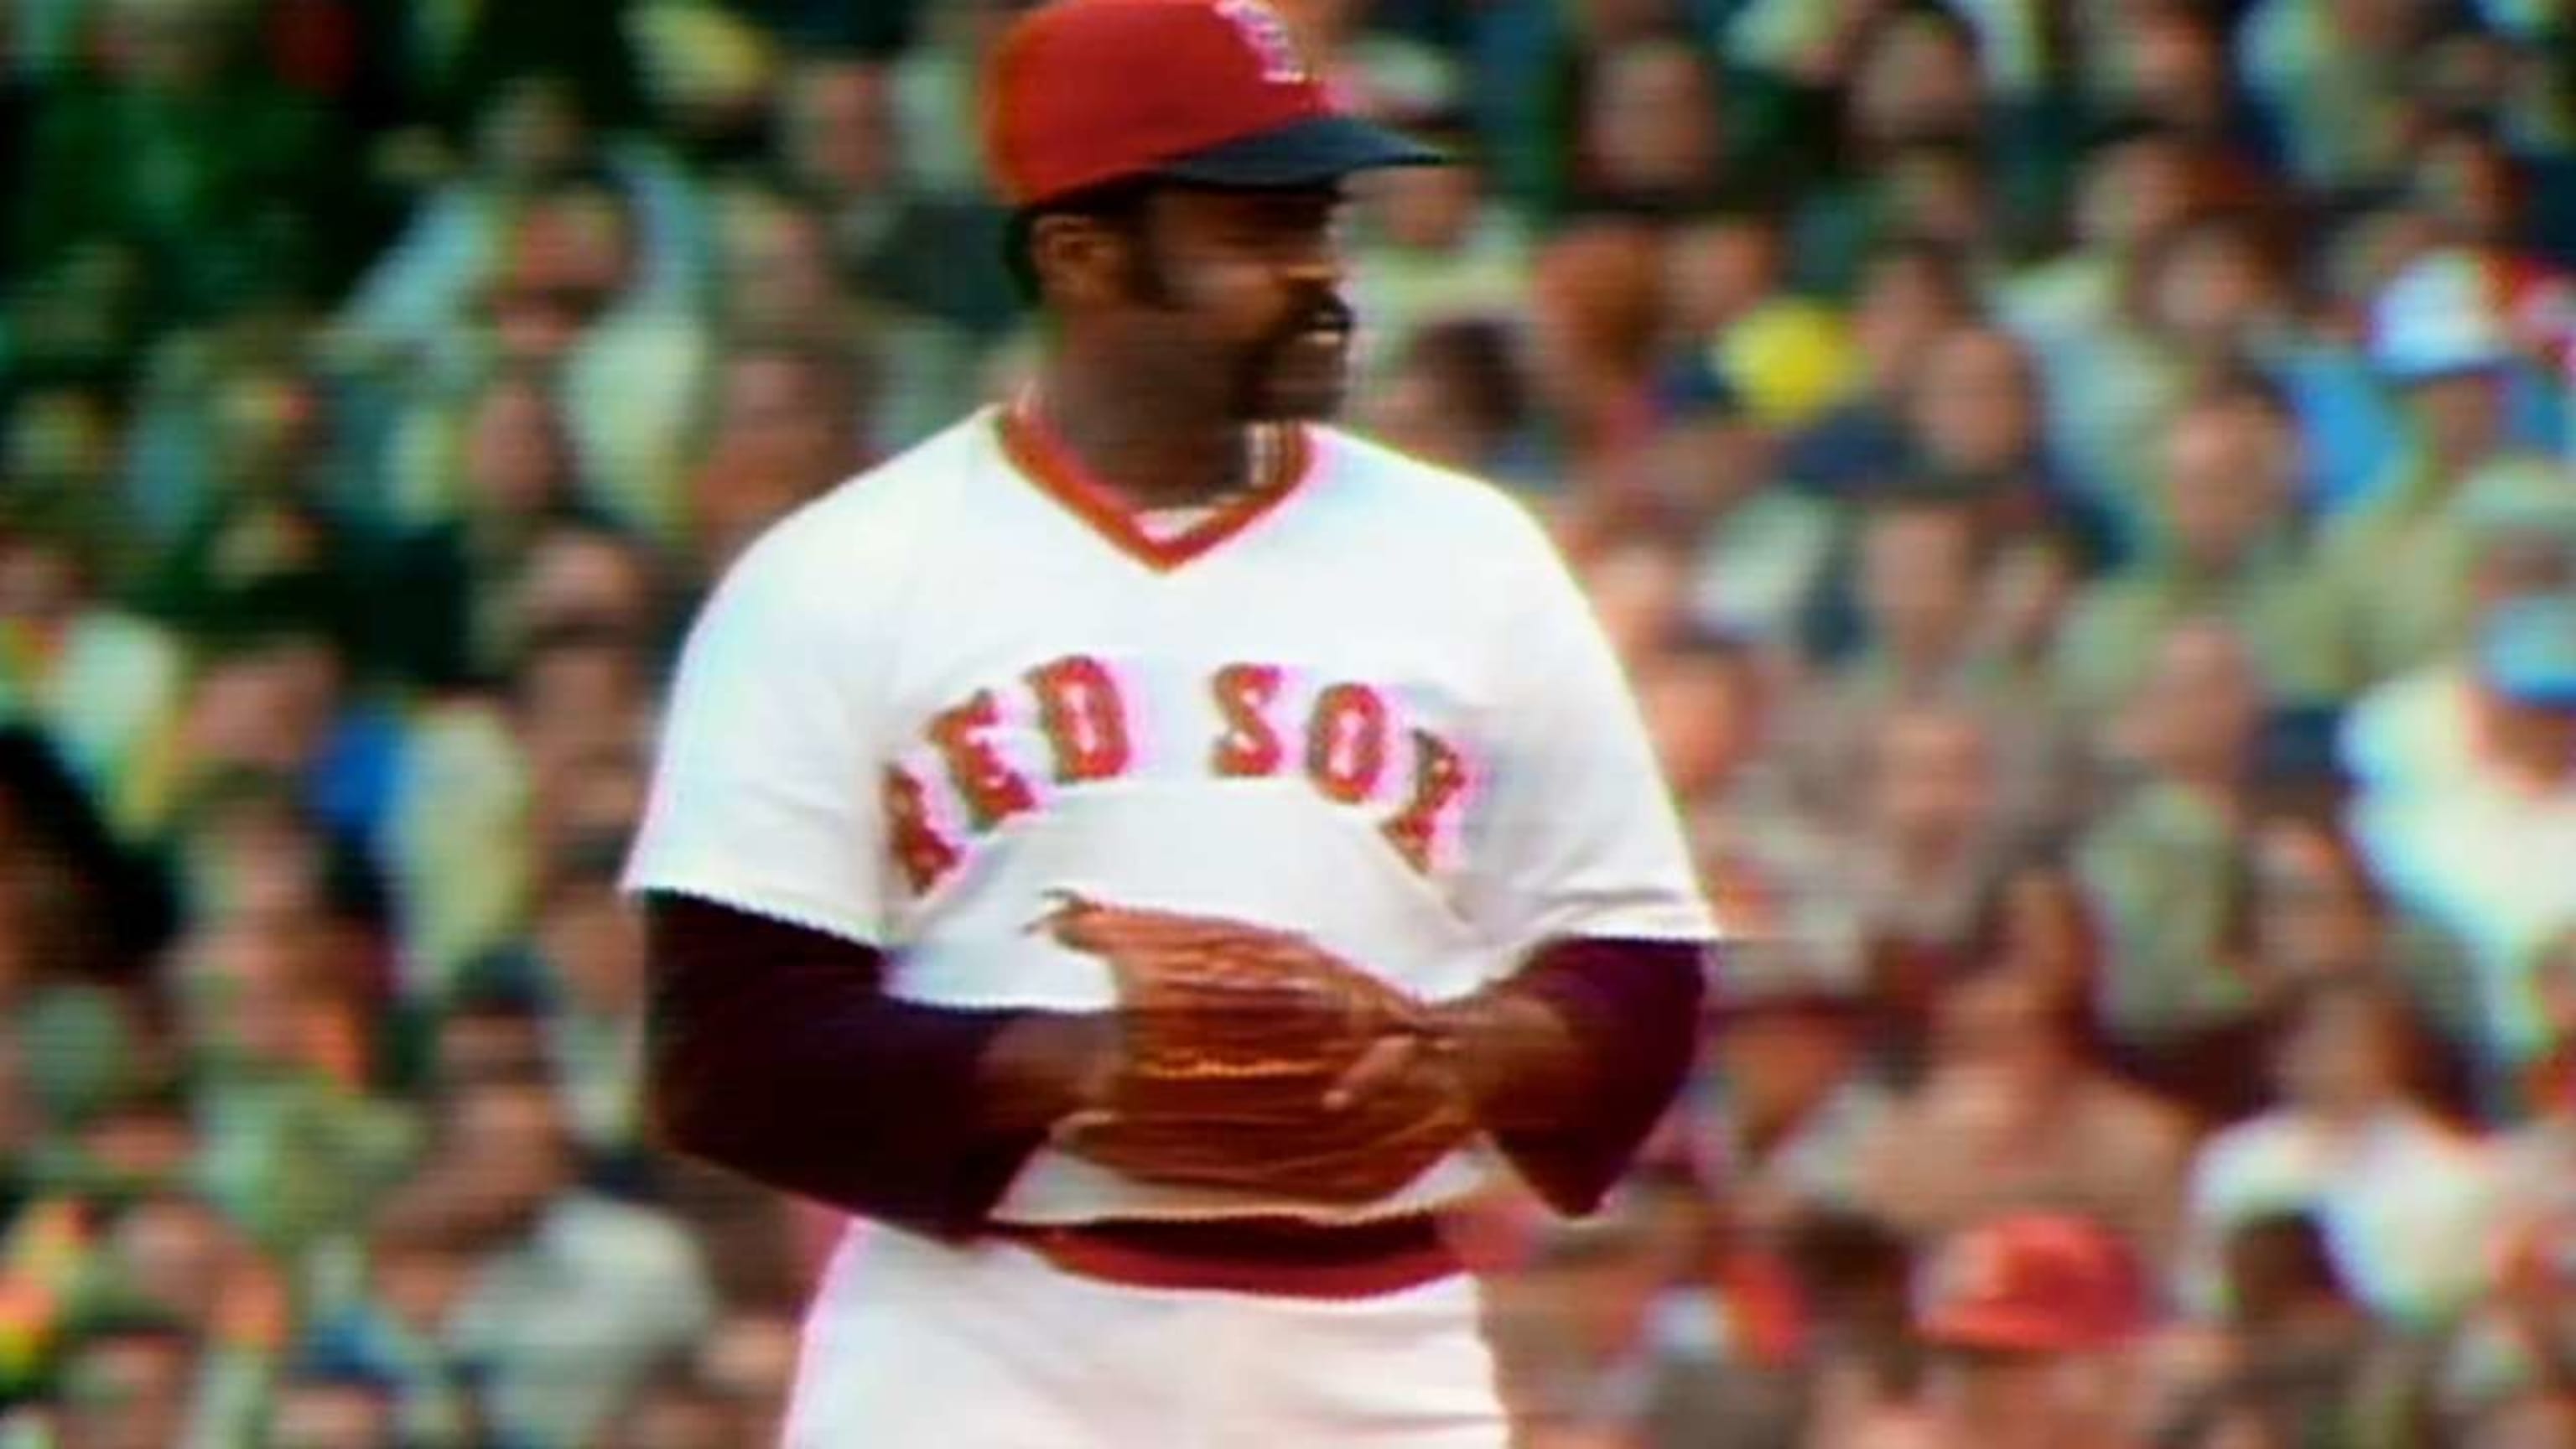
(764, 794)
(1576, 835)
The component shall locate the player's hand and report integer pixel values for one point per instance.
(1229, 1040)
(1506, 1053)
(1388, 1061)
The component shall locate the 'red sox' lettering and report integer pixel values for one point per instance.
(1346, 742)
(923, 853)
(1079, 707)
(993, 791)
(1439, 777)
(1249, 748)
(1347, 735)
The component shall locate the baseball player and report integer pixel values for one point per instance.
(1146, 853)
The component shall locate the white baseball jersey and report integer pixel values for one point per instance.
(1365, 701)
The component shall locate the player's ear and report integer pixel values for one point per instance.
(1079, 260)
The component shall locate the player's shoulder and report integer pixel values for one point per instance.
(865, 528)
(902, 492)
(1449, 508)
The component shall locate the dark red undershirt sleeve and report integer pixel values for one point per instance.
(1634, 1007)
(774, 1051)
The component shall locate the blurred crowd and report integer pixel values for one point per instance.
(2085, 489)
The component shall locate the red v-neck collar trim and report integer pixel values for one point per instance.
(1042, 457)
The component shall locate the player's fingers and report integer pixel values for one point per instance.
(1387, 1059)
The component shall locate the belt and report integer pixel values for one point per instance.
(1270, 1256)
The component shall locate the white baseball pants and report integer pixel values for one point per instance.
(913, 1344)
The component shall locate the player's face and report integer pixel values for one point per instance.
(1251, 298)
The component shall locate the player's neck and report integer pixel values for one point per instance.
(1134, 445)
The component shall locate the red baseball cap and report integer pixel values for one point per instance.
(1081, 93)
(2032, 1283)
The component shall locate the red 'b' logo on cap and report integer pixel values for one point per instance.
(1191, 77)
(1268, 36)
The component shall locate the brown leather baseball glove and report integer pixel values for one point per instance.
(1231, 1034)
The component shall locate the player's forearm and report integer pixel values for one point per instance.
(775, 1053)
(1576, 1065)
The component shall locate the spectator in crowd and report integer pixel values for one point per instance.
(584, 961)
(2317, 911)
(1648, 138)
(2538, 1155)
(840, 142)
(2181, 994)
(2010, 1116)
(2404, 1198)
(496, 789)
(129, 1384)
(2470, 857)
(1711, 703)
(2032, 1321)
(675, 1413)
(188, 154)
(934, 92)
(101, 684)
(1927, 866)
(1975, 421)
(2420, 729)
(295, 1147)
(1727, 1326)
(568, 296)
(2206, 295)
(2224, 547)
(1912, 121)
(782, 290)
(267, 541)
(535, 130)
(1721, 267)
(2297, 1359)
(1455, 395)
(1761, 549)
(317, 1410)
(2136, 181)
(283, 702)
(2167, 65)
(750, 1360)
(394, 1328)
(1435, 249)
(518, 472)
(2503, 1375)
(1922, 571)
(1595, 326)
(1918, 571)
(1911, 292)
(1783, 1110)
(1859, 1355)
(1573, 1339)
(2395, 562)
(2326, 78)
(2040, 923)
(790, 420)
(1639, 585)
(574, 1296)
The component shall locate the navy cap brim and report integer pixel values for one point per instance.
(1311, 152)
